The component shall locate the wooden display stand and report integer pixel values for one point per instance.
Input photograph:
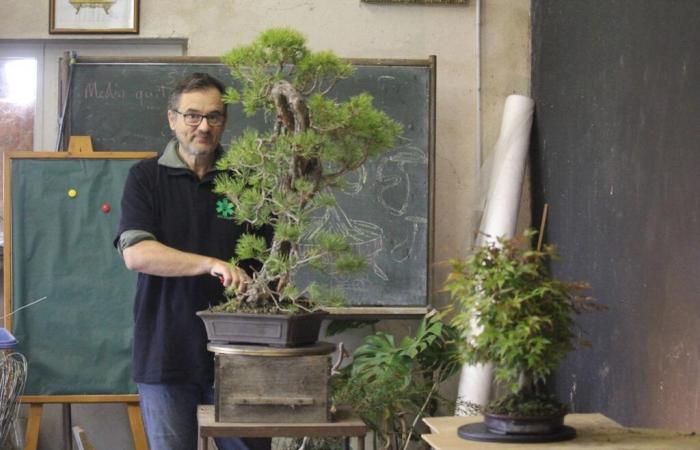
(344, 426)
(592, 431)
(255, 383)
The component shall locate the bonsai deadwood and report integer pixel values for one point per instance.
(292, 113)
(293, 117)
(283, 178)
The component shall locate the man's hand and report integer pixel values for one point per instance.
(230, 276)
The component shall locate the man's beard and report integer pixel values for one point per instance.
(195, 149)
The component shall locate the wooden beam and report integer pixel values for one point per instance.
(31, 438)
(377, 312)
(136, 422)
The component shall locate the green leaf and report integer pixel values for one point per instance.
(286, 231)
(232, 96)
(524, 316)
(251, 246)
(350, 263)
(388, 380)
(332, 242)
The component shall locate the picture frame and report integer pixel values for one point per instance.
(420, 2)
(93, 16)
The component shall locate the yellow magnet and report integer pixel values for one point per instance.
(72, 193)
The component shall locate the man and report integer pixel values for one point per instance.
(169, 232)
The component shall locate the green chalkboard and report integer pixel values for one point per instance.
(78, 339)
(386, 210)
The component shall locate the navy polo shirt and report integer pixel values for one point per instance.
(177, 208)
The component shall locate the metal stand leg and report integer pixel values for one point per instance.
(67, 427)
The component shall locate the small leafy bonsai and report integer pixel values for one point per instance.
(392, 385)
(514, 314)
(283, 177)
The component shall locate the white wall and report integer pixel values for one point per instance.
(355, 29)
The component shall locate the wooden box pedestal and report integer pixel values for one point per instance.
(258, 384)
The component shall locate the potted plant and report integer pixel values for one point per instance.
(392, 384)
(283, 177)
(513, 313)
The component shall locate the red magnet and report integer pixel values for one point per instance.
(106, 208)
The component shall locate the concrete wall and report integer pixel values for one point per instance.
(616, 156)
(353, 29)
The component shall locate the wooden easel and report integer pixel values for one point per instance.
(78, 145)
(36, 408)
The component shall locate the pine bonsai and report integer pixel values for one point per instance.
(283, 177)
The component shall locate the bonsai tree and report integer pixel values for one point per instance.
(283, 177)
(514, 314)
(392, 385)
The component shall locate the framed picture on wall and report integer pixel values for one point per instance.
(420, 2)
(93, 16)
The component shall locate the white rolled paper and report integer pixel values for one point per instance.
(501, 214)
(509, 159)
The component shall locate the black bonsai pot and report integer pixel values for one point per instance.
(518, 429)
(282, 330)
(505, 424)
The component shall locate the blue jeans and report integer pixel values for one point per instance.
(170, 417)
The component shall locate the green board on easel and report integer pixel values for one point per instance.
(63, 211)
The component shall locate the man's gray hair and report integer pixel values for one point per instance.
(198, 81)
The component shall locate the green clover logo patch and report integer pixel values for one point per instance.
(224, 209)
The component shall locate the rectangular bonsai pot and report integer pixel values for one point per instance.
(282, 330)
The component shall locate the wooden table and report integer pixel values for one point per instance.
(344, 426)
(593, 431)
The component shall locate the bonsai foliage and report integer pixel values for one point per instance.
(282, 177)
(514, 314)
(392, 385)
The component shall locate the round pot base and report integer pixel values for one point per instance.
(479, 432)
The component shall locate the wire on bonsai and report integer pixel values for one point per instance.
(514, 314)
(283, 177)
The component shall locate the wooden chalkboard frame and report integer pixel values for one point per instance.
(36, 402)
(369, 312)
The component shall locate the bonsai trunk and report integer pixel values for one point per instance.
(292, 117)
(526, 384)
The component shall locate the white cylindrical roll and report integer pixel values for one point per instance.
(509, 159)
(501, 213)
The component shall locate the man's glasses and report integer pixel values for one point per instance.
(215, 119)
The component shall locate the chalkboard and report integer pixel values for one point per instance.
(62, 212)
(616, 157)
(386, 209)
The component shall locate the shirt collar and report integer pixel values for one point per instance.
(171, 158)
